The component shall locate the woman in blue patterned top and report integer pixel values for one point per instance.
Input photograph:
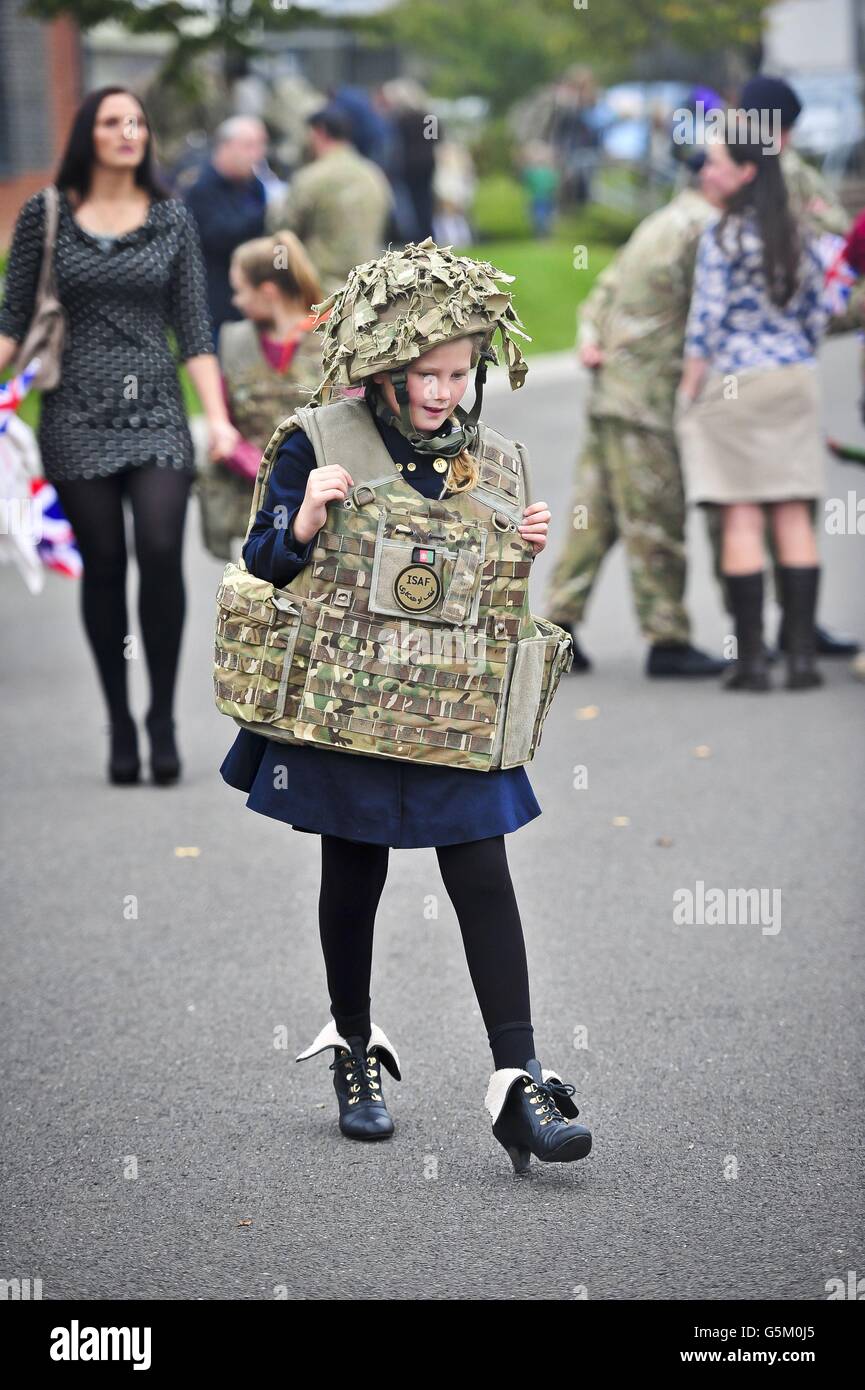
(748, 414)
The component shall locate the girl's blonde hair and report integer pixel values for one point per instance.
(282, 259)
(464, 471)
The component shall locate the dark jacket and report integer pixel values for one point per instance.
(228, 213)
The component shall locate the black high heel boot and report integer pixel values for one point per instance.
(745, 602)
(164, 759)
(528, 1108)
(799, 602)
(363, 1112)
(124, 766)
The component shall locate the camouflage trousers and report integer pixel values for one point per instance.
(629, 488)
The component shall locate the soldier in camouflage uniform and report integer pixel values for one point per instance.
(338, 204)
(408, 326)
(629, 481)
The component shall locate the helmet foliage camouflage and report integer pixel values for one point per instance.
(408, 301)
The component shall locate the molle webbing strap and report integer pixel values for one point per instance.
(460, 590)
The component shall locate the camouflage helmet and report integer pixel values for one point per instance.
(407, 301)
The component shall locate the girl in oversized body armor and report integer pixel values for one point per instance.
(371, 511)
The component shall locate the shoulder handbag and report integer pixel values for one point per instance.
(47, 332)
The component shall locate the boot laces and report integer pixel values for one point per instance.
(548, 1107)
(361, 1075)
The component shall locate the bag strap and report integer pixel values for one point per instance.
(46, 270)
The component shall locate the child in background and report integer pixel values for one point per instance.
(541, 180)
(270, 363)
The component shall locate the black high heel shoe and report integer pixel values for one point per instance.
(363, 1113)
(164, 759)
(356, 1067)
(124, 766)
(528, 1108)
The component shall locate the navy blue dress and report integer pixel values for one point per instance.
(375, 800)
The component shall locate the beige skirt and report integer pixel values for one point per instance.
(753, 437)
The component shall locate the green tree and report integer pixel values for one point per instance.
(503, 49)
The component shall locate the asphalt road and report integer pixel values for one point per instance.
(158, 1143)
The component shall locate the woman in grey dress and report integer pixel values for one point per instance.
(128, 267)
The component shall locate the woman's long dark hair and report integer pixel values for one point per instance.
(76, 164)
(766, 195)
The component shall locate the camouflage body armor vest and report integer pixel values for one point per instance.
(408, 634)
(258, 395)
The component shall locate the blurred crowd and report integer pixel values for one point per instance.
(370, 168)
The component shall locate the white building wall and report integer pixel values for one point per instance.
(814, 36)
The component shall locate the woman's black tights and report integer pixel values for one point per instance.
(94, 507)
(478, 881)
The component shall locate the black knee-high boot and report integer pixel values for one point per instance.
(799, 584)
(745, 598)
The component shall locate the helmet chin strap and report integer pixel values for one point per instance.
(462, 436)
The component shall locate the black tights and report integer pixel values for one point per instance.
(478, 881)
(94, 507)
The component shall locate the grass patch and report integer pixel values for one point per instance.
(547, 288)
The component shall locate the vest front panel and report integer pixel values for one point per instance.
(407, 635)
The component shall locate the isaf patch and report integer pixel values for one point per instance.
(417, 588)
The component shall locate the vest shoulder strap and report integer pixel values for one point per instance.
(239, 347)
(268, 457)
(341, 429)
(344, 432)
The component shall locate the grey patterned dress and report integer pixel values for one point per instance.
(119, 403)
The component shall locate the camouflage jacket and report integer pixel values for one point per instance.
(338, 206)
(812, 200)
(637, 311)
(408, 634)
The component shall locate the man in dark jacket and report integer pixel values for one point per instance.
(228, 202)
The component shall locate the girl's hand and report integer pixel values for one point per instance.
(222, 438)
(533, 527)
(324, 485)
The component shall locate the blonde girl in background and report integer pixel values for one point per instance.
(270, 362)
